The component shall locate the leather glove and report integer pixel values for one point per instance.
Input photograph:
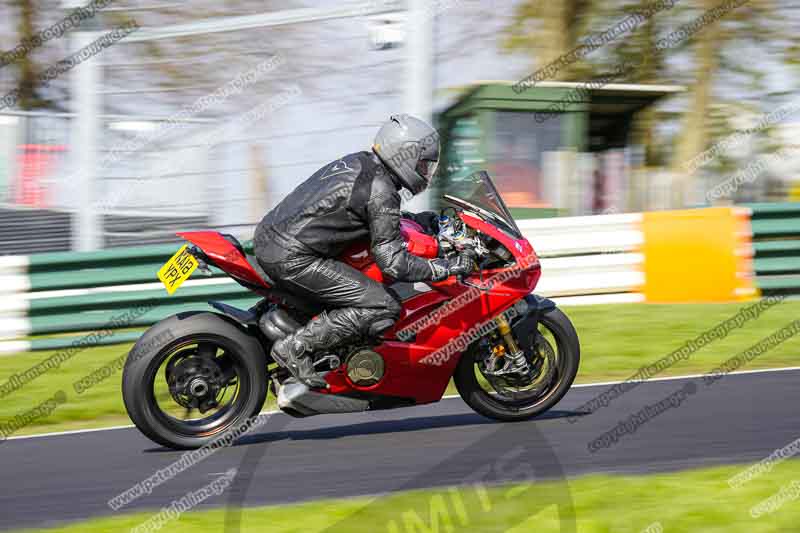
(440, 269)
(463, 265)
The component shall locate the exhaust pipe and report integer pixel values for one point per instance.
(276, 324)
(297, 400)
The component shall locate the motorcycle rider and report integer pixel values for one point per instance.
(343, 202)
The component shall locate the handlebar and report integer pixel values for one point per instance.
(485, 288)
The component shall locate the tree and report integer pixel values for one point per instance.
(707, 62)
(551, 29)
(27, 70)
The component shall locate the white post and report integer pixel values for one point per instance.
(418, 98)
(85, 78)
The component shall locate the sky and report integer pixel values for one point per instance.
(348, 90)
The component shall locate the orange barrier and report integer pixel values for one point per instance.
(698, 255)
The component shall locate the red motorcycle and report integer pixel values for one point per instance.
(512, 355)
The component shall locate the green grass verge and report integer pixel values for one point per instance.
(616, 340)
(683, 502)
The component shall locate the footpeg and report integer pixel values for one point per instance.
(334, 362)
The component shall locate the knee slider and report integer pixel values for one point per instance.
(379, 326)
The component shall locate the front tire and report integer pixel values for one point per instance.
(492, 405)
(185, 343)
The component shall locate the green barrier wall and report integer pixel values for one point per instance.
(776, 243)
(129, 278)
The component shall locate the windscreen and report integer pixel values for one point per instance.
(478, 191)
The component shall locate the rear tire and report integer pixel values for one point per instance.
(486, 404)
(155, 346)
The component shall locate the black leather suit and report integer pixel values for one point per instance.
(296, 243)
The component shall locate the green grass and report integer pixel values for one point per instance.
(615, 339)
(690, 501)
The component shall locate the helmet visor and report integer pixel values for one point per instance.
(427, 168)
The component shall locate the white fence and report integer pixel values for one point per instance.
(590, 259)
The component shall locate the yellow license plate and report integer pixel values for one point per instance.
(177, 270)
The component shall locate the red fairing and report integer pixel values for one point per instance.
(225, 255)
(417, 241)
(423, 348)
(436, 324)
(521, 248)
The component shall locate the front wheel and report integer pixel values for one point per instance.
(191, 378)
(553, 353)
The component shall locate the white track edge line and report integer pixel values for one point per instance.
(448, 397)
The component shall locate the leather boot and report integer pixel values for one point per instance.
(294, 351)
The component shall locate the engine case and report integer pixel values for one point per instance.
(365, 367)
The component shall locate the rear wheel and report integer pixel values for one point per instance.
(552, 352)
(191, 378)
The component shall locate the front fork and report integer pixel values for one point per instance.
(529, 322)
(519, 364)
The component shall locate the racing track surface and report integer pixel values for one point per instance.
(741, 418)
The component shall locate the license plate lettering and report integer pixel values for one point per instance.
(177, 270)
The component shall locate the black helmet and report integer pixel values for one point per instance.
(410, 148)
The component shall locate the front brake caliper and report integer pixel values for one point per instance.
(518, 361)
